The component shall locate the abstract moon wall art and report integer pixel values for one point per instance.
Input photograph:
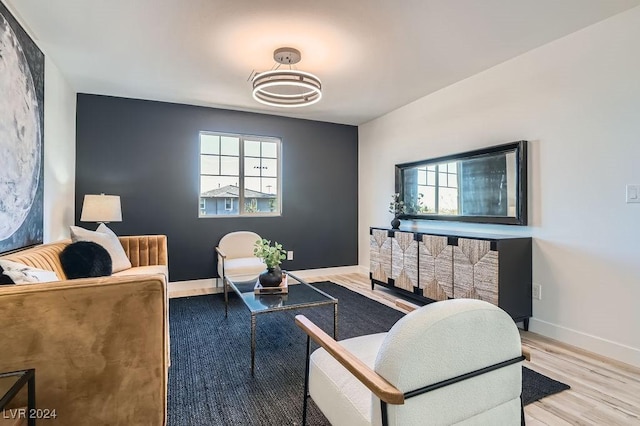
(21, 136)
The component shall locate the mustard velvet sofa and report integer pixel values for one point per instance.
(99, 345)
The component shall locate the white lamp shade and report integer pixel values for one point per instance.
(101, 208)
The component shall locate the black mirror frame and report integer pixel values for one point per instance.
(520, 148)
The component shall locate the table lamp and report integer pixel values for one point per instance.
(101, 208)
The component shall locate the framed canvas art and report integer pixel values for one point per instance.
(21, 136)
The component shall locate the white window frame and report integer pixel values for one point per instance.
(241, 177)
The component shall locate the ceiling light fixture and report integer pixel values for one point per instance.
(286, 88)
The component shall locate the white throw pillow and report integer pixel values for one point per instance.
(106, 230)
(23, 274)
(107, 239)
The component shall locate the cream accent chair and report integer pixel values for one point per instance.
(451, 362)
(235, 255)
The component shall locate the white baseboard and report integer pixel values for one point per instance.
(308, 273)
(363, 270)
(214, 285)
(194, 287)
(591, 343)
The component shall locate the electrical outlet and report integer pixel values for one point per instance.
(633, 193)
(290, 255)
(537, 292)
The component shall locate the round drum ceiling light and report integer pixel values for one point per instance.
(286, 88)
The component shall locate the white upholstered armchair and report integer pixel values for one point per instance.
(451, 362)
(235, 255)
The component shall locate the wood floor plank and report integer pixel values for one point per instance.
(535, 414)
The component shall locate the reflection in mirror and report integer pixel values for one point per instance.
(487, 185)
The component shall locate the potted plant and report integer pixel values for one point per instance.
(272, 256)
(397, 207)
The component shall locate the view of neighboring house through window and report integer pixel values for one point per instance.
(239, 175)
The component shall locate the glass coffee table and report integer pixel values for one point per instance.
(300, 295)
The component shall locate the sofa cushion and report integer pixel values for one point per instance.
(107, 239)
(23, 274)
(85, 259)
(145, 270)
(42, 256)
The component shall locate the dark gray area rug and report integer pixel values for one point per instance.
(536, 386)
(210, 380)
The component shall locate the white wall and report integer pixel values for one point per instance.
(59, 153)
(577, 100)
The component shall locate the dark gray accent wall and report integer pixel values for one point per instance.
(148, 153)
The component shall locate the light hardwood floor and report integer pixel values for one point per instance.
(603, 391)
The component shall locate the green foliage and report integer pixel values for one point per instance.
(251, 206)
(396, 206)
(415, 206)
(272, 255)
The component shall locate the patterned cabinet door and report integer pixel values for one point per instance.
(435, 273)
(404, 267)
(380, 255)
(475, 270)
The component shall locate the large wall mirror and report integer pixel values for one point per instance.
(487, 185)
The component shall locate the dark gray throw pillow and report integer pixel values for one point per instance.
(85, 259)
(5, 279)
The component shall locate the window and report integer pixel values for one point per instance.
(239, 175)
(438, 188)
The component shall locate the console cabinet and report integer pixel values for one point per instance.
(430, 266)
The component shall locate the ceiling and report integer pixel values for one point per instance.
(372, 56)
